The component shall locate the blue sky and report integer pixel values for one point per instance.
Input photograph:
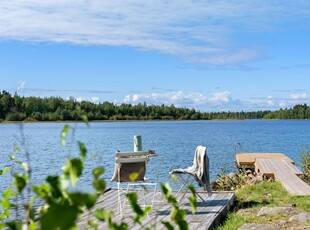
(209, 55)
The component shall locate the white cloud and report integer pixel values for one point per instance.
(79, 99)
(178, 98)
(21, 85)
(272, 103)
(283, 104)
(95, 99)
(300, 96)
(196, 31)
(217, 101)
(221, 97)
(270, 100)
(90, 99)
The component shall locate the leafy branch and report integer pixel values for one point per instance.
(61, 208)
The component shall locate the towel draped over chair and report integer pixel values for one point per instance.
(199, 170)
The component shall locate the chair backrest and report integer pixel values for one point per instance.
(130, 166)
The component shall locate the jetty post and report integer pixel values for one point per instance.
(137, 143)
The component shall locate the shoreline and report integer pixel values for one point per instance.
(157, 120)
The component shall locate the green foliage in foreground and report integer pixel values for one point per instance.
(250, 198)
(62, 206)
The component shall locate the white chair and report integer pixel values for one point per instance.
(198, 172)
(130, 169)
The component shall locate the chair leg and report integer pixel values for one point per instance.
(186, 183)
(119, 200)
(154, 192)
(142, 201)
(200, 197)
(144, 197)
(153, 196)
(125, 198)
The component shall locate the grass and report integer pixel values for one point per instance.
(251, 198)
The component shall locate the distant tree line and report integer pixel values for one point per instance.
(297, 112)
(20, 108)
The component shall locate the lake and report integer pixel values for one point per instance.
(174, 141)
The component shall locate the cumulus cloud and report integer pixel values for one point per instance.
(90, 99)
(221, 97)
(300, 96)
(270, 100)
(198, 100)
(195, 31)
(95, 99)
(177, 98)
(272, 103)
(218, 101)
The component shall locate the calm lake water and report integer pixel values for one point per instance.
(174, 141)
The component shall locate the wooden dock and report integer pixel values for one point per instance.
(207, 216)
(277, 166)
(247, 160)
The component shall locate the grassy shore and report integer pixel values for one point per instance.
(251, 198)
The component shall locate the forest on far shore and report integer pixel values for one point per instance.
(20, 108)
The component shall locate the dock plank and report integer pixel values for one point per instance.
(248, 159)
(271, 165)
(293, 183)
(218, 206)
(207, 214)
(285, 172)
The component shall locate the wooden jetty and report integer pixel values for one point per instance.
(247, 160)
(207, 216)
(277, 166)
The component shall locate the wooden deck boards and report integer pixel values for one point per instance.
(267, 166)
(293, 183)
(207, 216)
(285, 172)
(248, 159)
(277, 166)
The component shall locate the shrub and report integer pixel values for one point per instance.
(15, 116)
(305, 163)
(229, 182)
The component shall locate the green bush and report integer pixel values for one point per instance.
(305, 163)
(15, 116)
(229, 182)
